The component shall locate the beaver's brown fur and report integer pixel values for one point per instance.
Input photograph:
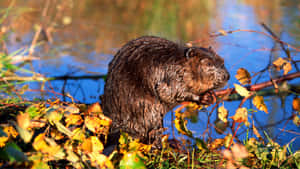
(150, 75)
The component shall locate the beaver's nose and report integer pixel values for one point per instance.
(225, 76)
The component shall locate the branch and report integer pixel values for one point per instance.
(260, 86)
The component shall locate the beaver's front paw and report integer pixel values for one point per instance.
(208, 98)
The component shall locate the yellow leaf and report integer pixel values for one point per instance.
(99, 125)
(135, 145)
(96, 144)
(72, 156)
(223, 114)
(243, 76)
(242, 90)
(92, 144)
(92, 123)
(55, 134)
(282, 64)
(180, 124)
(23, 120)
(296, 120)
(286, 68)
(10, 131)
(100, 161)
(241, 115)
(258, 102)
(78, 134)
(73, 119)
(164, 140)
(278, 63)
(3, 140)
(296, 104)
(227, 140)
(39, 143)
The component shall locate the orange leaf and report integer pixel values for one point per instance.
(10, 131)
(95, 108)
(3, 140)
(258, 102)
(241, 115)
(92, 144)
(23, 120)
(243, 76)
(87, 146)
(96, 144)
(282, 64)
(73, 119)
(296, 104)
(216, 143)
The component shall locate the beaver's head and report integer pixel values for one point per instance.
(205, 70)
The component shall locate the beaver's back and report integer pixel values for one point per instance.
(129, 96)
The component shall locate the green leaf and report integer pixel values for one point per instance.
(33, 111)
(132, 160)
(13, 153)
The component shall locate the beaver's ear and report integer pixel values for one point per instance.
(188, 52)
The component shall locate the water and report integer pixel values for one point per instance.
(84, 35)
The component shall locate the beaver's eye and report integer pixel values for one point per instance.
(209, 63)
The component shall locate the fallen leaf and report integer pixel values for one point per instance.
(73, 119)
(95, 108)
(100, 160)
(23, 120)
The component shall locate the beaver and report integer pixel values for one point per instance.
(151, 75)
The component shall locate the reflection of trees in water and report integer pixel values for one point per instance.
(103, 25)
